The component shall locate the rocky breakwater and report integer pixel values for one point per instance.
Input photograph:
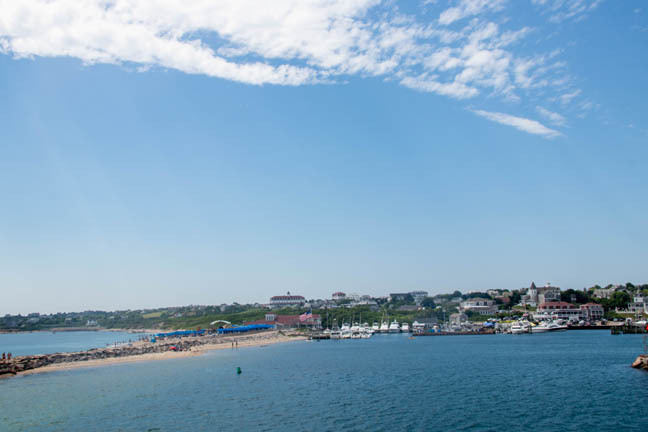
(25, 363)
(641, 362)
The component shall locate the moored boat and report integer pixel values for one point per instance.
(394, 327)
(384, 327)
(547, 327)
(520, 327)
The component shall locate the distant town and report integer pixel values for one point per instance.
(539, 302)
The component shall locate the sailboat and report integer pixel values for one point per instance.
(384, 327)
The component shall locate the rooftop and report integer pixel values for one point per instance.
(559, 304)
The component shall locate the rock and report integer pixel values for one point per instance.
(641, 362)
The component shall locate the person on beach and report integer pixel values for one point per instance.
(4, 357)
(9, 356)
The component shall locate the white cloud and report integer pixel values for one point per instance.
(553, 117)
(454, 89)
(466, 8)
(563, 10)
(294, 42)
(289, 42)
(566, 98)
(520, 123)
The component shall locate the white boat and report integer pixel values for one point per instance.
(345, 331)
(418, 327)
(394, 327)
(554, 326)
(547, 327)
(384, 327)
(335, 334)
(375, 327)
(405, 327)
(520, 327)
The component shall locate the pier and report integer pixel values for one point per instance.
(457, 333)
(628, 329)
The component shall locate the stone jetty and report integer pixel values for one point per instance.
(641, 362)
(24, 363)
(30, 362)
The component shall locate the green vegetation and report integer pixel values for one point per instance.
(401, 309)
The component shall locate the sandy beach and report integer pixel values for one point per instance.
(223, 342)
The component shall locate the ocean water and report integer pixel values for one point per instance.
(568, 381)
(47, 342)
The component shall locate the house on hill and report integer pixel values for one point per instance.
(287, 300)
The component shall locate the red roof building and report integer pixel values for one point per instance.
(556, 305)
(289, 321)
(557, 310)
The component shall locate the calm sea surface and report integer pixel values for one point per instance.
(47, 342)
(569, 381)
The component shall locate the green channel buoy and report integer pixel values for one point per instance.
(238, 370)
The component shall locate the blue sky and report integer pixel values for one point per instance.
(230, 151)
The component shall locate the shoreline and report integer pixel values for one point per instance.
(243, 341)
(82, 329)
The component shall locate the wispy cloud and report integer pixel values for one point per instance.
(563, 10)
(553, 117)
(566, 98)
(298, 42)
(454, 89)
(520, 123)
(467, 8)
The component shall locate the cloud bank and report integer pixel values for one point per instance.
(461, 54)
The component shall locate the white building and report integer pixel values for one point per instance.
(638, 304)
(287, 300)
(339, 295)
(418, 296)
(493, 292)
(557, 310)
(479, 305)
(592, 312)
(545, 294)
(604, 293)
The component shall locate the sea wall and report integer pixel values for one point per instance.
(641, 362)
(25, 363)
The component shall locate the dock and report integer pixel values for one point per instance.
(591, 327)
(628, 329)
(457, 333)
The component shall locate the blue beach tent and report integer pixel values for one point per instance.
(243, 329)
